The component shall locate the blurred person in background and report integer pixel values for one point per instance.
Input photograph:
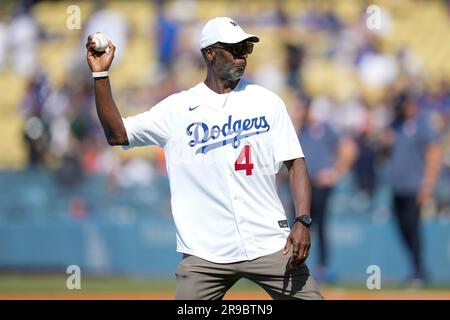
(36, 129)
(414, 164)
(24, 43)
(365, 168)
(329, 156)
(365, 164)
(3, 40)
(294, 60)
(167, 38)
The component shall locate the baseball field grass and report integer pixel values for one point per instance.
(15, 286)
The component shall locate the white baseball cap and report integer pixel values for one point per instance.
(225, 30)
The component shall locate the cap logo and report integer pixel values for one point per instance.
(233, 23)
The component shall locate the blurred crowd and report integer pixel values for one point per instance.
(62, 132)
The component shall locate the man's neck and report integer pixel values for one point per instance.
(219, 85)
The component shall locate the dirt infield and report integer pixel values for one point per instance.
(329, 295)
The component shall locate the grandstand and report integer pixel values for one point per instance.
(42, 213)
(421, 25)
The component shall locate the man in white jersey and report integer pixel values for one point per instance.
(224, 141)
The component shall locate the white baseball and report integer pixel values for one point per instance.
(101, 42)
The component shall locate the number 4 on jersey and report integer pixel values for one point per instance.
(244, 161)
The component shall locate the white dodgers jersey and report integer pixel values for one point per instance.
(222, 154)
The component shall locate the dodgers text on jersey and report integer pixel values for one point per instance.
(240, 129)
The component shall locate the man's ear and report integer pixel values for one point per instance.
(209, 54)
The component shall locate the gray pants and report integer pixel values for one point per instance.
(198, 279)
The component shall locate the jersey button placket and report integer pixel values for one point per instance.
(234, 190)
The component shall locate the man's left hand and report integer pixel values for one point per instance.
(299, 241)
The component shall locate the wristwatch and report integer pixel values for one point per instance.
(304, 220)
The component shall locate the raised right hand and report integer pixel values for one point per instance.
(99, 61)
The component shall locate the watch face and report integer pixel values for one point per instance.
(306, 219)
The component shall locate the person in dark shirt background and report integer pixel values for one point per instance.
(328, 156)
(414, 162)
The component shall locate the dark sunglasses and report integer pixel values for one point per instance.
(237, 49)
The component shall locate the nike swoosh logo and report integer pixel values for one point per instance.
(193, 108)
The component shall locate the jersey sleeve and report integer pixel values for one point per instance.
(152, 127)
(284, 139)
